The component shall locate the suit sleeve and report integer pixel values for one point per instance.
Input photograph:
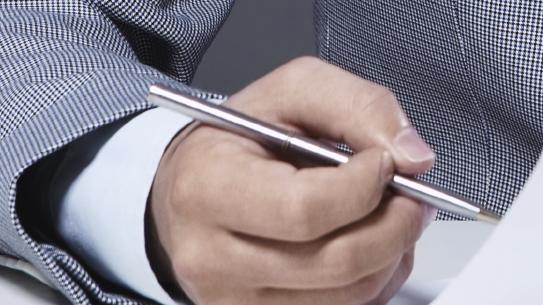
(68, 68)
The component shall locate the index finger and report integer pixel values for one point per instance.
(284, 203)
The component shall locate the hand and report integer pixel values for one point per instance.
(240, 226)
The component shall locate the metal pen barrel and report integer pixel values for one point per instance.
(275, 137)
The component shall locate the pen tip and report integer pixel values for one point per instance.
(488, 217)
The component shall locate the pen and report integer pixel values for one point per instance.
(278, 138)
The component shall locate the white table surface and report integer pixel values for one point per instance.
(442, 251)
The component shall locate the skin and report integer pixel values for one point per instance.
(237, 224)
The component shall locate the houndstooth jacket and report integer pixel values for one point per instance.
(468, 73)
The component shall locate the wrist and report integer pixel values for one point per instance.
(158, 258)
(155, 249)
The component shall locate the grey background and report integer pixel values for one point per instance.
(258, 36)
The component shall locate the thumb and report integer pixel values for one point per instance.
(331, 103)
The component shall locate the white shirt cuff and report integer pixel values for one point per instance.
(100, 192)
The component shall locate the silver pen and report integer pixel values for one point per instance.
(275, 137)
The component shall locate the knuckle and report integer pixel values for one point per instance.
(407, 265)
(297, 69)
(375, 284)
(306, 61)
(342, 265)
(409, 228)
(367, 177)
(371, 198)
(187, 263)
(410, 220)
(382, 93)
(183, 191)
(362, 100)
(373, 98)
(298, 217)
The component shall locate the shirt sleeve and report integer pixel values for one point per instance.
(99, 195)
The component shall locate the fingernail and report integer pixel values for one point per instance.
(430, 215)
(387, 166)
(410, 144)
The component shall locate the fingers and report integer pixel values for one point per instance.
(398, 279)
(233, 218)
(332, 103)
(203, 270)
(334, 261)
(286, 204)
(359, 292)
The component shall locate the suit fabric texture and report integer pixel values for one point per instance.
(468, 73)
(69, 67)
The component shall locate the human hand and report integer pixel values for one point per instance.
(240, 226)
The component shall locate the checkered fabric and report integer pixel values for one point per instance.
(468, 73)
(68, 67)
